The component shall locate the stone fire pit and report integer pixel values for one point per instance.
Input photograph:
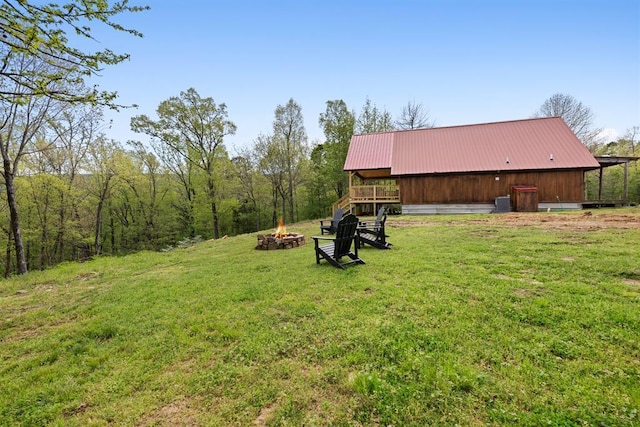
(280, 241)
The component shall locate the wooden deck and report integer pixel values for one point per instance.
(375, 194)
(368, 195)
(605, 203)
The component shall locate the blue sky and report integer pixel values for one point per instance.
(466, 61)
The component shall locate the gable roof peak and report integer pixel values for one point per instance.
(397, 131)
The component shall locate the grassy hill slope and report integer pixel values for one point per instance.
(471, 319)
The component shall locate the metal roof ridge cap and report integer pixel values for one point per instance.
(397, 131)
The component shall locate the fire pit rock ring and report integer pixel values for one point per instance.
(285, 241)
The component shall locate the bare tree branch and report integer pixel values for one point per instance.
(414, 116)
(576, 115)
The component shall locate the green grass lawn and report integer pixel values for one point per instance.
(468, 319)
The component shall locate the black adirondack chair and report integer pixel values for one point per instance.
(340, 246)
(374, 234)
(367, 224)
(332, 225)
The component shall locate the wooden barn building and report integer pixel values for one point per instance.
(522, 165)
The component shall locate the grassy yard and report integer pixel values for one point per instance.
(514, 319)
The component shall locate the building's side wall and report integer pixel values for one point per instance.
(553, 186)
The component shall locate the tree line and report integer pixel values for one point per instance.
(71, 192)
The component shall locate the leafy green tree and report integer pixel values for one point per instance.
(291, 138)
(107, 159)
(71, 136)
(319, 188)
(251, 186)
(140, 216)
(192, 129)
(338, 125)
(272, 164)
(371, 119)
(40, 199)
(182, 183)
(21, 120)
(613, 176)
(632, 136)
(38, 66)
(43, 31)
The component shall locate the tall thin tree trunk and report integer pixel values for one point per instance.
(43, 248)
(274, 216)
(113, 232)
(96, 237)
(191, 212)
(216, 224)
(214, 208)
(59, 245)
(284, 207)
(103, 196)
(7, 260)
(257, 211)
(21, 261)
(291, 197)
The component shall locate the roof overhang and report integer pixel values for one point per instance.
(490, 172)
(606, 161)
(373, 173)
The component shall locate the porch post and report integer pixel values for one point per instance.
(351, 208)
(350, 184)
(625, 192)
(375, 198)
(600, 185)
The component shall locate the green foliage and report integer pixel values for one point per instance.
(189, 136)
(47, 32)
(338, 124)
(371, 119)
(288, 148)
(613, 176)
(468, 319)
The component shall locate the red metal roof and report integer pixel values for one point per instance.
(373, 150)
(543, 143)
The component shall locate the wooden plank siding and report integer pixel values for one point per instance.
(553, 186)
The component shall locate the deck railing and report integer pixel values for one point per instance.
(374, 193)
(368, 194)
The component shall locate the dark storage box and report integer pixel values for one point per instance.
(525, 198)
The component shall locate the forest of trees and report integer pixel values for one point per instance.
(78, 193)
(70, 192)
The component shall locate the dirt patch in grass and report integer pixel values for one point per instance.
(265, 414)
(527, 293)
(179, 413)
(87, 276)
(579, 221)
(45, 286)
(82, 407)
